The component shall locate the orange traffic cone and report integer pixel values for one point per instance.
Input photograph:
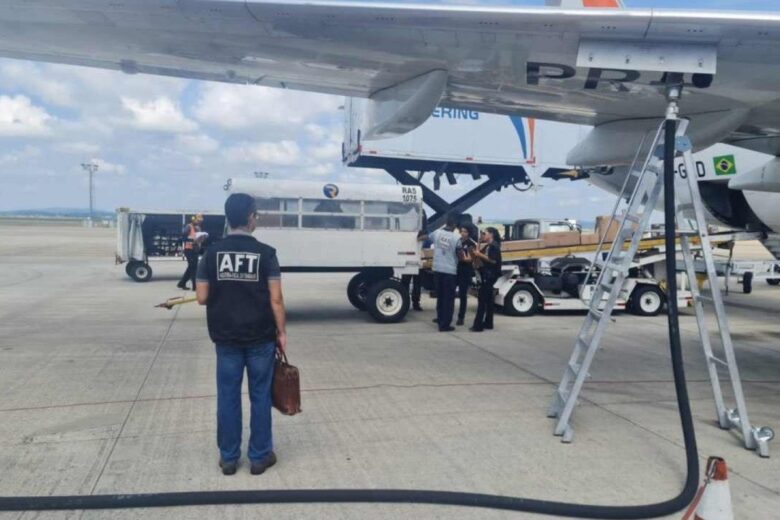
(715, 501)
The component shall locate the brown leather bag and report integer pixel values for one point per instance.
(286, 388)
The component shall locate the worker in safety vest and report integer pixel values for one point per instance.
(192, 243)
(239, 282)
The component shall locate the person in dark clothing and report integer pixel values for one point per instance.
(239, 282)
(465, 221)
(412, 282)
(192, 245)
(489, 257)
(465, 270)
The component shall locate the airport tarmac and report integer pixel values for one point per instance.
(100, 392)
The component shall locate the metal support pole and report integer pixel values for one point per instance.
(91, 168)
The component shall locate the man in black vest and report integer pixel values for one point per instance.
(239, 282)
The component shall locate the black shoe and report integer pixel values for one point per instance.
(258, 468)
(435, 320)
(447, 329)
(474, 329)
(182, 286)
(459, 322)
(228, 468)
(416, 307)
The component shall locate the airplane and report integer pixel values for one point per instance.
(606, 66)
(722, 171)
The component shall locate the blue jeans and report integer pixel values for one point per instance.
(259, 362)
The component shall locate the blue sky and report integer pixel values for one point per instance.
(170, 144)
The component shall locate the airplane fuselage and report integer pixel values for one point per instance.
(714, 167)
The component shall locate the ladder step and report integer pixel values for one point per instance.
(596, 314)
(620, 268)
(607, 286)
(705, 298)
(574, 368)
(687, 232)
(718, 361)
(632, 218)
(688, 206)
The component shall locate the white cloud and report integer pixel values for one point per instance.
(317, 132)
(238, 107)
(281, 153)
(109, 167)
(20, 118)
(28, 153)
(78, 148)
(159, 115)
(24, 75)
(197, 144)
(329, 151)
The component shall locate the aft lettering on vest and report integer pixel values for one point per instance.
(239, 267)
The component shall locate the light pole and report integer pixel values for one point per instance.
(90, 167)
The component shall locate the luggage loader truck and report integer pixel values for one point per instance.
(547, 263)
(528, 288)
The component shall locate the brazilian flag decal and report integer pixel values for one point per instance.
(725, 165)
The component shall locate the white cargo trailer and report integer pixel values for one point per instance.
(367, 229)
(464, 140)
(501, 150)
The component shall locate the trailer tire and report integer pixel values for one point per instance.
(521, 300)
(647, 300)
(356, 291)
(747, 283)
(387, 300)
(139, 271)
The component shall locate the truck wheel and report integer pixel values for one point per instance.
(356, 291)
(140, 272)
(521, 300)
(647, 300)
(747, 283)
(387, 301)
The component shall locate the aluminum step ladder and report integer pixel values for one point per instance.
(612, 273)
(615, 269)
(692, 226)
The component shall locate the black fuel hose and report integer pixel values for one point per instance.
(446, 498)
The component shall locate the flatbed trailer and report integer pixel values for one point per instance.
(524, 290)
(748, 271)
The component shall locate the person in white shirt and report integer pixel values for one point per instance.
(445, 269)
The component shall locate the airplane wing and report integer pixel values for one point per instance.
(547, 63)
